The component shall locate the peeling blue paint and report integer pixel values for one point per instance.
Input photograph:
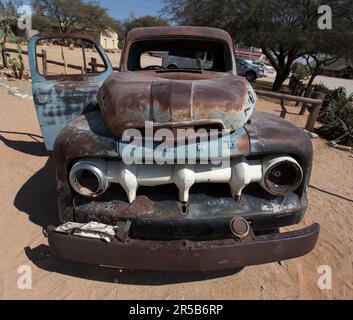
(58, 102)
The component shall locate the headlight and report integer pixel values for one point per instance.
(88, 178)
(281, 175)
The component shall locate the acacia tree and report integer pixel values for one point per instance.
(132, 22)
(284, 30)
(142, 22)
(73, 14)
(328, 46)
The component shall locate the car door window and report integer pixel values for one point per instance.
(68, 57)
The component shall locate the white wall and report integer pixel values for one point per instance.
(109, 40)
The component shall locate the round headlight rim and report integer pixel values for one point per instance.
(81, 166)
(288, 160)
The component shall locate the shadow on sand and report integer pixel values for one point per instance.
(41, 257)
(37, 197)
(35, 147)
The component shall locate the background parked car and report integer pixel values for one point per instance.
(182, 59)
(268, 69)
(249, 70)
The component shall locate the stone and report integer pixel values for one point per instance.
(13, 90)
(312, 135)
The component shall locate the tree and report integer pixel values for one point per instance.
(324, 49)
(138, 22)
(8, 18)
(42, 23)
(69, 15)
(316, 62)
(143, 22)
(328, 46)
(284, 30)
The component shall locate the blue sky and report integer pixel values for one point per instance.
(120, 9)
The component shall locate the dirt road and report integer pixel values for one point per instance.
(28, 203)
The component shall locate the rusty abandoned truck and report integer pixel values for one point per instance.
(194, 216)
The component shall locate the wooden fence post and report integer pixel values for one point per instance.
(295, 86)
(291, 81)
(315, 113)
(84, 57)
(301, 94)
(64, 60)
(45, 62)
(4, 56)
(308, 93)
(94, 64)
(284, 109)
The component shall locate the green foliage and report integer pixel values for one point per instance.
(142, 22)
(284, 30)
(132, 22)
(11, 38)
(336, 115)
(42, 23)
(16, 64)
(8, 17)
(69, 15)
(301, 71)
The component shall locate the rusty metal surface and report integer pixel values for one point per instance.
(85, 136)
(156, 212)
(88, 136)
(185, 255)
(272, 135)
(128, 99)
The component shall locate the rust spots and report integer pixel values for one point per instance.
(128, 99)
(142, 206)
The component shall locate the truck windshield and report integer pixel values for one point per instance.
(184, 54)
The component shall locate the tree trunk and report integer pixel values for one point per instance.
(282, 75)
(314, 74)
(282, 62)
(277, 85)
(311, 80)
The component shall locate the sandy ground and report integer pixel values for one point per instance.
(28, 203)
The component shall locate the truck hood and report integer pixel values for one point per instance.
(172, 99)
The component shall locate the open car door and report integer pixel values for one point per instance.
(67, 72)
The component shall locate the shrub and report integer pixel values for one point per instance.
(301, 71)
(336, 115)
(16, 64)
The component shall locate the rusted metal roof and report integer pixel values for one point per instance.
(206, 32)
